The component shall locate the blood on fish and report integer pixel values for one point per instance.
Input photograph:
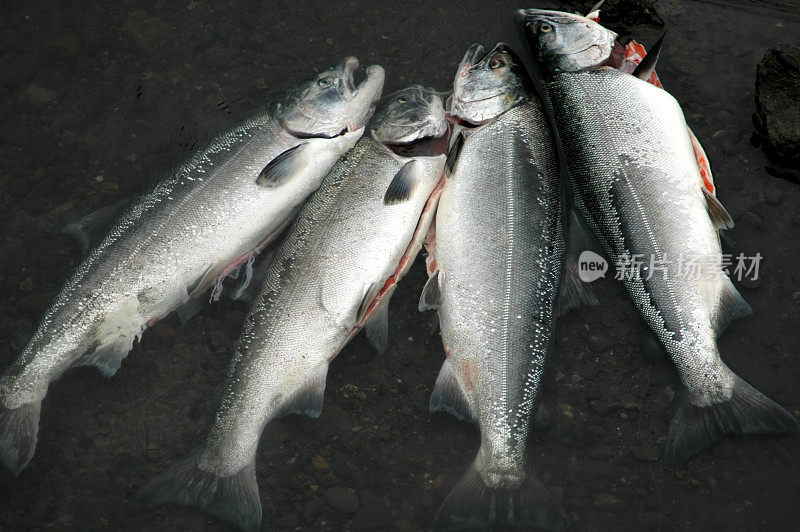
(404, 260)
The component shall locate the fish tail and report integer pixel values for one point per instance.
(18, 429)
(748, 411)
(474, 505)
(234, 498)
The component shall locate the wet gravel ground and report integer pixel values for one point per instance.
(92, 101)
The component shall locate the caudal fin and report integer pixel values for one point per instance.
(18, 429)
(234, 499)
(474, 505)
(694, 429)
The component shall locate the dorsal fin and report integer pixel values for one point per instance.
(648, 64)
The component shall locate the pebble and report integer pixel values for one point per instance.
(598, 344)
(565, 410)
(609, 503)
(342, 499)
(313, 508)
(773, 195)
(646, 453)
(321, 464)
(287, 521)
(589, 370)
(27, 285)
(37, 95)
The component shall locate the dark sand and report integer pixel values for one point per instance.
(91, 103)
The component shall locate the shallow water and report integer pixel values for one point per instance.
(92, 101)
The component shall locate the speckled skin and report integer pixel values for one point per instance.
(499, 251)
(180, 235)
(637, 185)
(344, 241)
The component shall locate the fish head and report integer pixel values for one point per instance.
(408, 116)
(487, 83)
(564, 42)
(331, 102)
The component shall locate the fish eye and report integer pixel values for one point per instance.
(545, 27)
(324, 82)
(402, 99)
(496, 63)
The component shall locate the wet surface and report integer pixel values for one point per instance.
(92, 101)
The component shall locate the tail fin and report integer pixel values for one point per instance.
(234, 499)
(18, 429)
(474, 505)
(748, 411)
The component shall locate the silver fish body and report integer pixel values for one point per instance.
(499, 249)
(637, 185)
(170, 244)
(498, 256)
(332, 275)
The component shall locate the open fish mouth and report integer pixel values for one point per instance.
(495, 95)
(349, 89)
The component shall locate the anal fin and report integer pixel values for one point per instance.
(448, 396)
(108, 358)
(307, 399)
(732, 306)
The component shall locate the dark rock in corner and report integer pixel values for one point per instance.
(777, 86)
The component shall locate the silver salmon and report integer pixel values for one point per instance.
(214, 213)
(636, 184)
(497, 267)
(332, 276)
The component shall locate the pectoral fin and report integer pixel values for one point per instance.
(284, 167)
(403, 185)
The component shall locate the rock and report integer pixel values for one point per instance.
(342, 499)
(321, 464)
(778, 82)
(147, 30)
(313, 508)
(287, 521)
(597, 343)
(37, 95)
(609, 503)
(565, 410)
(646, 453)
(27, 285)
(773, 195)
(369, 518)
(589, 370)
